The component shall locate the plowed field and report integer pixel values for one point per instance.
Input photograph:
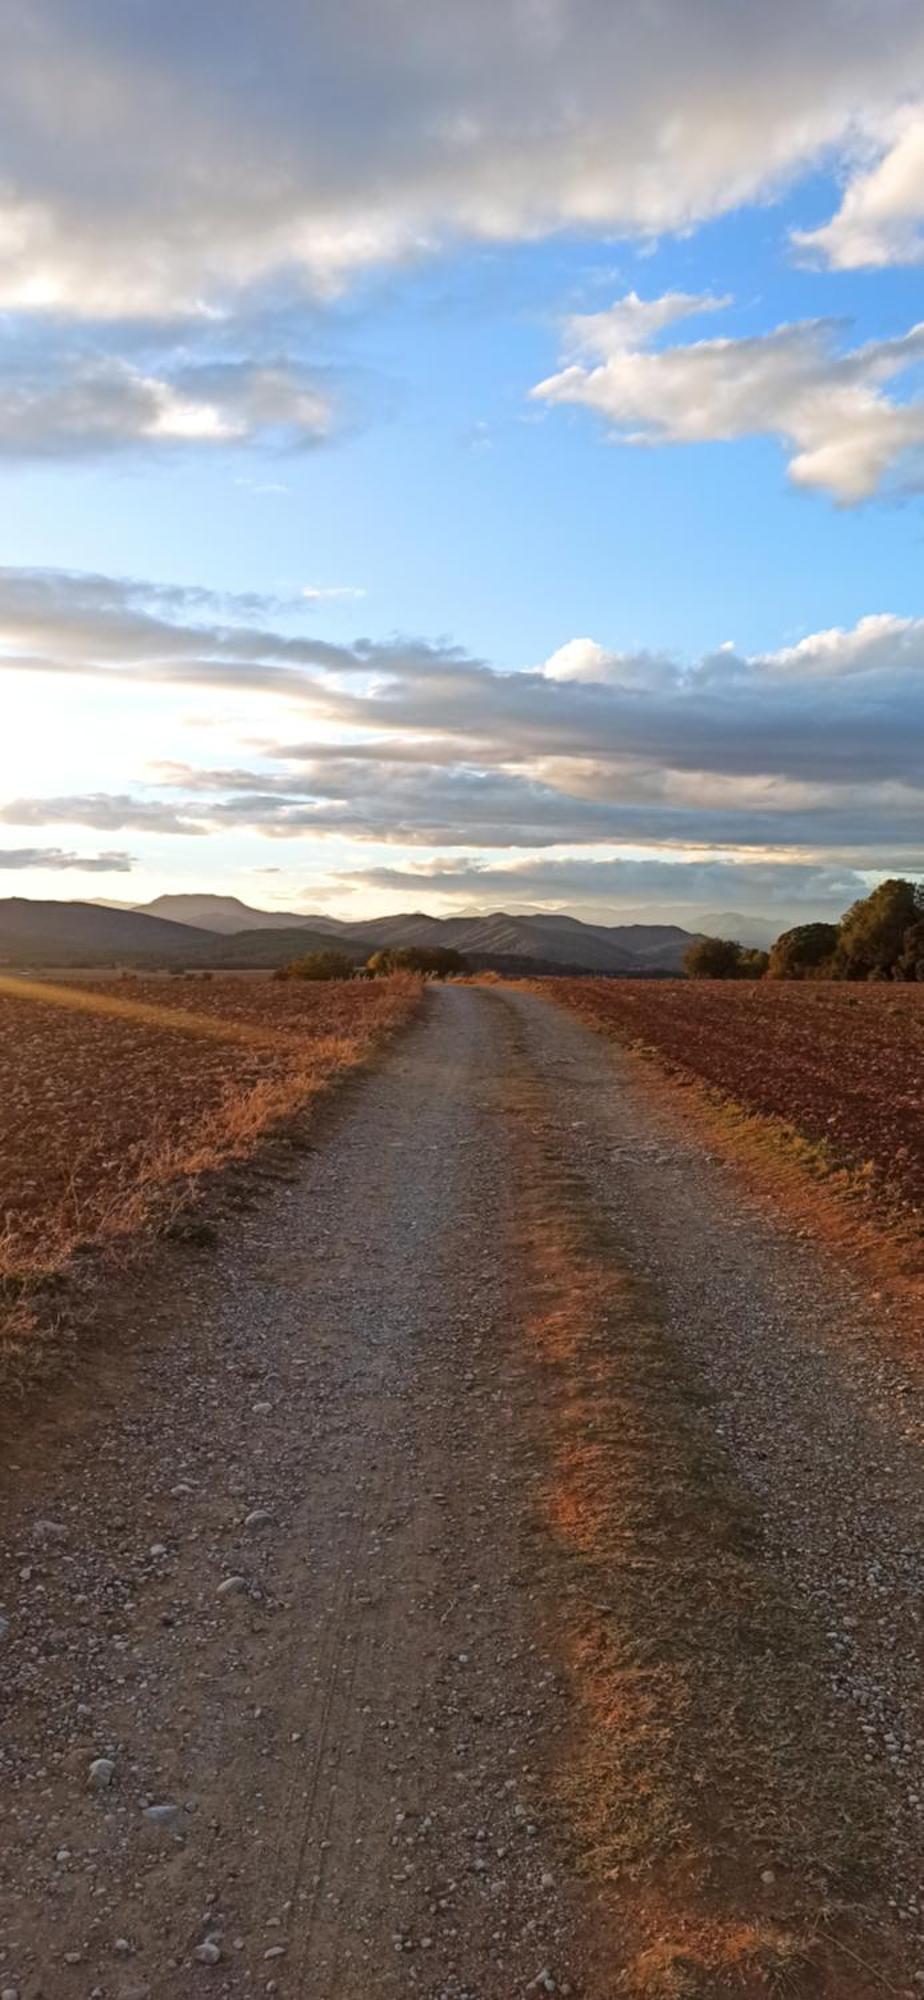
(842, 1064)
(114, 1092)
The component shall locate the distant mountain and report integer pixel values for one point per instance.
(226, 914)
(759, 931)
(234, 936)
(85, 934)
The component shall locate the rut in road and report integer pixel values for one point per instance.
(551, 1662)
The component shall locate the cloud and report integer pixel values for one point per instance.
(816, 748)
(56, 858)
(843, 434)
(881, 218)
(68, 406)
(326, 593)
(106, 812)
(555, 884)
(155, 167)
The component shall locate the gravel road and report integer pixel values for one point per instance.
(494, 1568)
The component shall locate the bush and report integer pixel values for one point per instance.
(715, 958)
(805, 952)
(435, 961)
(318, 965)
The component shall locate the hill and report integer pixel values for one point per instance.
(57, 933)
(224, 914)
(230, 935)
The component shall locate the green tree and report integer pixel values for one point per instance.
(806, 952)
(911, 962)
(872, 934)
(713, 958)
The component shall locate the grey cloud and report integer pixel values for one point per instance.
(820, 745)
(106, 812)
(555, 883)
(57, 858)
(151, 169)
(77, 408)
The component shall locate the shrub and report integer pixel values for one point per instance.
(436, 961)
(805, 952)
(319, 965)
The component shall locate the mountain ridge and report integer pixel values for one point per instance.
(75, 933)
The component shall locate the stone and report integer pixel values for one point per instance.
(231, 1586)
(259, 1518)
(163, 1815)
(208, 1953)
(101, 1774)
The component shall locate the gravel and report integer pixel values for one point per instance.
(359, 1763)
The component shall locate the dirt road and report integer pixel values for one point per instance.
(495, 1568)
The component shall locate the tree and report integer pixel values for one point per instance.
(806, 952)
(872, 934)
(713, 958)
(911, 962)
(754, 963)
(319, 965)
(438, 961)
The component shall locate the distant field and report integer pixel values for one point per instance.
(114, 1093)
(842, 1064)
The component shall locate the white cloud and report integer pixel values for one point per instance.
(881, 218)
(151, 166)
(843, 433)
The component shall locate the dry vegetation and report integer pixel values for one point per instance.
(118, 1094)
(840, 1068)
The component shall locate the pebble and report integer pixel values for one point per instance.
(231, 1586)
(101, 1774)
(9, 1993)
(259, 1518)
(4, 1626)
(161, 1815)
(208, 1953)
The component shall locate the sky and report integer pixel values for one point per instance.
(462, 458)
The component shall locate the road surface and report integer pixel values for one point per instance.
(495, 1568)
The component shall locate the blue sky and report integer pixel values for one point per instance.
(346, 427)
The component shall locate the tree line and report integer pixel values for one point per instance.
(437, 961)
(880, 937)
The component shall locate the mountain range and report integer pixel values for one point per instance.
(203, 931)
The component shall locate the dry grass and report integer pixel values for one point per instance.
(117, 1097)
(708, 1749)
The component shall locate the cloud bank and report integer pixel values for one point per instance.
(165, 160)
(808, 757)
